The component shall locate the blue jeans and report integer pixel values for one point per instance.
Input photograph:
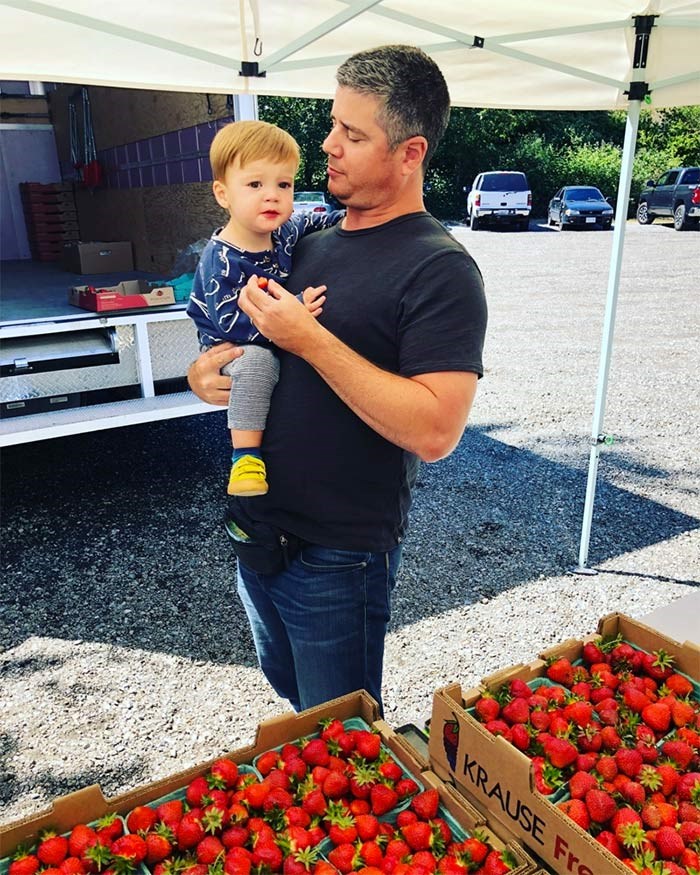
(319, 626)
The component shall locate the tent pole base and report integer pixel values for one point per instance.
(584, 569)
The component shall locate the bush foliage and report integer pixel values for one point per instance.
(553, 148)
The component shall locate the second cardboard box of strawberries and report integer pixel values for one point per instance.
(590, 754)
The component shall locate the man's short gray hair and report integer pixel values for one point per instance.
(411, 88)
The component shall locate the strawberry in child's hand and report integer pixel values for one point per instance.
(262, 282)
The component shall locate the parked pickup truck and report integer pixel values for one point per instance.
(499, 197)
(676, 194)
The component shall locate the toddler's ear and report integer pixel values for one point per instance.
(220, 193)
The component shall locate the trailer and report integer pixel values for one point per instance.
(64, 368)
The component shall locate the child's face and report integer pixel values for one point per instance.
(259, 196)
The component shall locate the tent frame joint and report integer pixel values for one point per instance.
(478, 42)
(252, 68)
(638, 91)
(642, 29)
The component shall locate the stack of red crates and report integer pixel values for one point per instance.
(51, 218)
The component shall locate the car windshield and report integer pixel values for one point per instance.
(504, 182)
(583, 194)
(305, 197)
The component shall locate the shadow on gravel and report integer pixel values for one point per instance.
(116, 537)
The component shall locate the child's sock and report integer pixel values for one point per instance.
(245, 451)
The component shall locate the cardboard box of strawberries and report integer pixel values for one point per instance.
(331, 790)
(590, 754)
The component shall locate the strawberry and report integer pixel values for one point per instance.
(371, 854)
(72, 866)
(516, 711)
(238, 863)
(609, 840)
(315, 752)
(592, 653)
(657, 716)
(52, 849)
(80, 838)
(141, 819)
(495, 864)
(682, 713)
(267, 853)
(658, 665)
(196, 790)
(314, 802)
(561, 672)
(520, 736)
(679, 685)
(426, 804)
(190, 831)
(547, 777)
(417, 835)
(498, 727)
(406, 787)
(109, 828)
(336, 785)
(209, 850)
(669, 844)
(131, 848)
(391, 771)
(688, 787)
(601, 806)
(23, 863)
(367, 744)
(580, 783)
(580, 713)
(629, 762)
(577, 810)
(158, 847)
(518, 689)
(681, 753)
(343, 858)
(226, 771)
(560, 752)
(267, 761)
(627, 826)
(487, 708)
(383, 799)
(170, 812)
(633, 793)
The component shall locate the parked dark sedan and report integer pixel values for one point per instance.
(579, 205)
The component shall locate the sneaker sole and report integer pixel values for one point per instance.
(242, 489)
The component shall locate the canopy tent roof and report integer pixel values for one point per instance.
(575, 54)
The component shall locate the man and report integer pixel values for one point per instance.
(385, 377)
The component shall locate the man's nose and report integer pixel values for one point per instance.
(330, 144)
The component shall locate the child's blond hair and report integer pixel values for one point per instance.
(250, 141)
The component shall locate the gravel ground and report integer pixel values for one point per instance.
(124, 653)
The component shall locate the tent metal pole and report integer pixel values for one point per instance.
(597, 436)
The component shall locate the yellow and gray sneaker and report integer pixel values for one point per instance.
(248, 477)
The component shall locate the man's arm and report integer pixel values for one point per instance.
(425, 414)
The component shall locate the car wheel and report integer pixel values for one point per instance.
(549, 219)
(524, 225)
(562, 223)
(680, 222)
(644, 217)
(474, 222)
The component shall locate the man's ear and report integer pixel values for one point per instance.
(414, 151)
(220, 194)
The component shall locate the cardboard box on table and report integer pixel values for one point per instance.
(98, 257)
(88, 804)
(126, 295)
(497, 778)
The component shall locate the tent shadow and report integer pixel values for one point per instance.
(120, 541)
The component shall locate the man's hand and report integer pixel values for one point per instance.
(279, 316)
(314, 299)
(205, 377)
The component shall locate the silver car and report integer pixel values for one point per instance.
(310, 202)
(579, 205)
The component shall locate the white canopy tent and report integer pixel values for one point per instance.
(573, 55)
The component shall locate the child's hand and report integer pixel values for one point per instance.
(314, 299)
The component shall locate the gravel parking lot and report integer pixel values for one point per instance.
(124, 653)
